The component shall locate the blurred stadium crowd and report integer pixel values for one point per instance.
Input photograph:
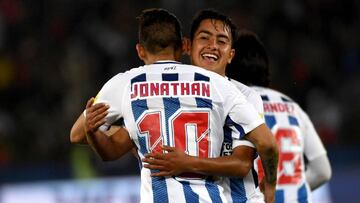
(56, 54)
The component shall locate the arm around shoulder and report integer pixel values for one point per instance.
(267, 149)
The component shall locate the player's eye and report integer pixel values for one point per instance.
(222, 42)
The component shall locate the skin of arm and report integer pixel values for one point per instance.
(96, 114)
(266, 147)
(318, 171)
(110, 145)
(77, 133)
(176, 162)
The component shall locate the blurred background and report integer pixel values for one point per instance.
(56, 54)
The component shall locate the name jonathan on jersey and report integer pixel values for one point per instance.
(143, 90)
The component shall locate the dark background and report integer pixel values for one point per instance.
(55, 54)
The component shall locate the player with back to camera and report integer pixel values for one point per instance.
(295, 134)
(211, 47)
(167, 103)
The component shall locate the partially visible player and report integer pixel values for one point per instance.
(295, 134)
(167, 103)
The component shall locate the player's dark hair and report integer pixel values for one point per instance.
(213, 15)
(166, 26)
(251, 63)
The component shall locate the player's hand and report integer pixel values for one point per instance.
(171, 163)
(95, 115)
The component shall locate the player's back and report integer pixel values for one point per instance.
(168, 103)
(286, 120)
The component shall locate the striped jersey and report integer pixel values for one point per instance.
(296, 137)
(241, 190)
(168, 103)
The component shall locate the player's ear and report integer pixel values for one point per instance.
(232, 55)
(140, 51)
(186, 46)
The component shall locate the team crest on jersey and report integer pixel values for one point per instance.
(143, 90)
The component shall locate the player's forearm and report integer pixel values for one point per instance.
(268, 153)
(99, 142)
(110, 147)
(269, 159)
(266, 147)
(221, 166)
(77, 133)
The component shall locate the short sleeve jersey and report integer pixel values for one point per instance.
(167, 103)
(296, 137)
(242, 189)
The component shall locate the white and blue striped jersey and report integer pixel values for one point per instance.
(296, 137)
(241, 190)
(167, 103)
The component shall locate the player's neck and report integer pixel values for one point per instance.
(167, 54)
(150, 59)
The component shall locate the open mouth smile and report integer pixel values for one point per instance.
(211, 57)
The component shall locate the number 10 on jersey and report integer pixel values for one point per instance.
(187, 130)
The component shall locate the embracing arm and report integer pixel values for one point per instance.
(267, 149)
(238, 164)
(77, 133)
(110, 147)
(97, 112)
(175, 162)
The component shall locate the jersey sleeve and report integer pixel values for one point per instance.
(313, 147)
(112, 94)
(242, 118)
(255, 99)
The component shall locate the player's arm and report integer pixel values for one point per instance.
(266, 147)
(110, 145)
(77, 133)
(98, 111)
(176, 161)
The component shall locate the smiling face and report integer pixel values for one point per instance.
(211, 46)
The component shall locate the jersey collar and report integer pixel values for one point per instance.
(167, 62)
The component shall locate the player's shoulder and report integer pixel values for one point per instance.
(197, 69)
(269, 95)
(201, 72)
(246, 90)
(269, 92)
